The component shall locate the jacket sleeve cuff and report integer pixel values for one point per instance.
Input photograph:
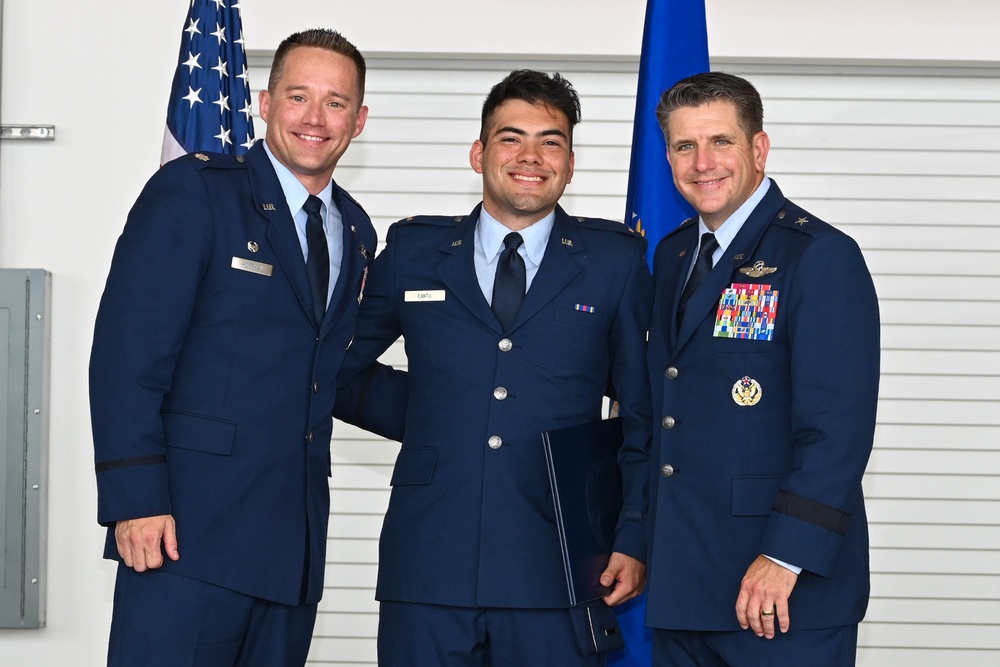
(130, 489)
(805, 544)
(630, 538)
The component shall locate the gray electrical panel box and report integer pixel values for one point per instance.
(24, 362)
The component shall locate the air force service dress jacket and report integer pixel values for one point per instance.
(211, 385)
(470, 520)
(762, 434)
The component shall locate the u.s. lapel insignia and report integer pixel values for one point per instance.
(456, 243)
(252, 246)
(758, 269)
(738, 257)
(568, 242)
(269, 207)
(202, 157)
(365, 252)
(747, 391)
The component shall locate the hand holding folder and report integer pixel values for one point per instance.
(586, 490)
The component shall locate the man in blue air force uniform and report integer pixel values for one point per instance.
(232, 297)
(764, 364)
(470, 570)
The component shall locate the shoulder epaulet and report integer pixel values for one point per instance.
(794, 217)
(607, 225)
(205, 159)
(684, 225)
(349, 197)
(434, 220)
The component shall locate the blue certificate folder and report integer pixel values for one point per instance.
(586, 486)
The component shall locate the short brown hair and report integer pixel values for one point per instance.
(321, 38)
(706, 87)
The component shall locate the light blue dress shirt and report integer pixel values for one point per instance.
(333, 223)
(489, 242)
(728, 230)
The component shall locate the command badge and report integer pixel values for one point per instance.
(747, 391)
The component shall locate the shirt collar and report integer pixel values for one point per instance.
(492, 232)
(728, 230)
(295, 193)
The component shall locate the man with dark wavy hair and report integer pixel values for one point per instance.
(514, 318)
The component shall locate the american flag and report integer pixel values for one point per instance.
(209, 107)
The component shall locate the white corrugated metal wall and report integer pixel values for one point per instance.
(906, 159)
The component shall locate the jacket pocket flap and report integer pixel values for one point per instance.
(198, 433)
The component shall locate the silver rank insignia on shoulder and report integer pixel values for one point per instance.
(758, 270)
(202, 157)
(252, 246)
(747, 391)
(801, 221)
(269, 207)
(568, 242)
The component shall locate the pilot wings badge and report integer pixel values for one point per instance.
(758, 270)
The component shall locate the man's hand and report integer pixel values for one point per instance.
(627, 575)
(766, 587)
(139, 541)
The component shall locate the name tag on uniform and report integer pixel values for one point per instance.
(259, 268)
(424, 295)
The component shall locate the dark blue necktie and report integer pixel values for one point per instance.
(509, 283)
(318, 259)
(702, 267)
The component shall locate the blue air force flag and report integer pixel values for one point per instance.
(674, 46)
(209, 107)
